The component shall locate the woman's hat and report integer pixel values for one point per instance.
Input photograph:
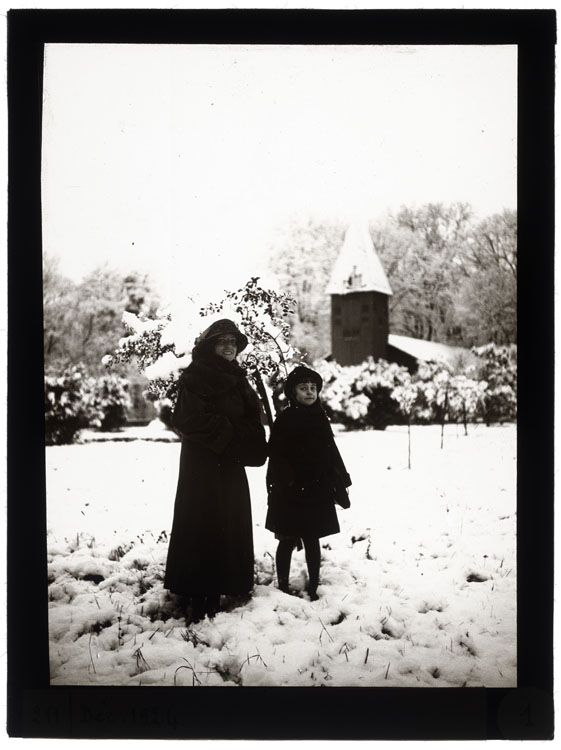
(299, 375)
(220, 328)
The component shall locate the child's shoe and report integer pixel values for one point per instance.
(313, 584)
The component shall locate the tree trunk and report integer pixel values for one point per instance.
(264, 398)
(409, 441)
(444, 410)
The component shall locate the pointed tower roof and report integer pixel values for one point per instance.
(358, 267)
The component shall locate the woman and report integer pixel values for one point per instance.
(306, 476)
(219, 418)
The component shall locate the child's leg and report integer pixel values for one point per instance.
(313, 559)
(282, 559)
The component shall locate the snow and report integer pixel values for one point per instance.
(155, 430)
(168, 364)
(432, 350)
(358, 267)
(138, 326)
(418, 589)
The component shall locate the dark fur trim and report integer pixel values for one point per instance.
(210, 374)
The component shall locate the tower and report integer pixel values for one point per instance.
(359, 292)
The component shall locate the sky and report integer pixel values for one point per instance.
(185, 161)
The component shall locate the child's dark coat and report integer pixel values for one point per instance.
(306, 475)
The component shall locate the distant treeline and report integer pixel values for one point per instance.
(453, 280)
(453, 277)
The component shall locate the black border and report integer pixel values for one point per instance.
(37, 710)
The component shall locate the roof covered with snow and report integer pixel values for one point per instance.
(430, 350)
(358, 267)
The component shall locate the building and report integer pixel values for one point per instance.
(359, 292)
(360, 325)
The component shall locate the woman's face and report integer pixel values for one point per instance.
(306, 393)
(226, 346)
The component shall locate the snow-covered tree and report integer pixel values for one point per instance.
(425, 282)
(436, 392)
(161, 347)
(465, 395)
(406, 396)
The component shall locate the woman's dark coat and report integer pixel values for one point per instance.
(219, 418)
(306, 475)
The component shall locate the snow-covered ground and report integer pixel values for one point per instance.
(418, 589)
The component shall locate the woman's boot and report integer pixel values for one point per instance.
(198, 609)
(212, 605)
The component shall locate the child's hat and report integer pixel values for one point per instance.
(299, 375)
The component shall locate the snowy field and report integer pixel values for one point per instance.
(418, 589)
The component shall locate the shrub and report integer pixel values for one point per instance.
(377, 381)
(111, 398)
(466, 395)
(430, 407)
(377, 393)
(498, 368)
(165, 412)
(74, 401)
(70, 405)
(361, 395)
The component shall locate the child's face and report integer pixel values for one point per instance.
(226, 347)
(306, 393)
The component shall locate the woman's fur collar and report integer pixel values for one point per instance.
(211, 374)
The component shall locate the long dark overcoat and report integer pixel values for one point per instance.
(306, 475)
(219, 418)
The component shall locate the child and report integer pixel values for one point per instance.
(305, 477)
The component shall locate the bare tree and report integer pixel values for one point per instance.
(302, 259)
(419, 249)
(83, 321)
(487, 303)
